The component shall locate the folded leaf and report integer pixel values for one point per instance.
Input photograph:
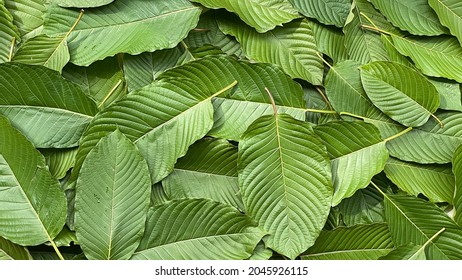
(285, 181)
(325, 11)
(362, 242)
(112, 199)
(457, 170)
(32, 204)
(27, 16)
(450, 15)
(197, 229)
(130, 27)
(48, 110)
(59, 161)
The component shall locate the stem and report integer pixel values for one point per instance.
(75, 23)
(53, 244)
(438, 120)
(230, 86)
(433, 237)
(398, 135)
(324, 97)
(352, 115)
(377, 187)
(272, 101)
(368, 19)
(376, 29)
(323, 60)
(13, 42)
(320, 111)
(187, 50)
(110, 93)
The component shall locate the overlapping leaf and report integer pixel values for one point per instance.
(285, 181)
(326, 11)
(330, 41)
(27, 16)
(364, 207)
(197, 229)
(59, 161)
(82, 3)
(11, 251)
(457, 170)
(450, 14)
(8, 33)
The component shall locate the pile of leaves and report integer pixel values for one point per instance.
(230, 129)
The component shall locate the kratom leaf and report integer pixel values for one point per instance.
(50, 111)
(195, 229)
(11, 251)
(262, 15)
(131, 27)
(415, 16)
(27, 16)
(400, 92)
(362, 242)
(457, 170)
(430, 143)
(158, 195)
(435, 56)
(325, 11)
(59, 161)
(330, 41)
(261, 253)
(449, 92)
(413, 220)
(291, 46)
(434, 181)
(406, 252)
(450, 14)
(8, 33)
(82, 3)
(208, 170)
(357, 153)
(112, 199)
(32, 205)
(288, 199)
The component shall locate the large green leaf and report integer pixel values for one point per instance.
(208, 170)
(330, 41)
(285, 181)
(435, 56)
(434, 181)
(450, 15)
(400, 92)
(262, 15)
(197, 229)
(413, 220)
(291, 46)
(457, 170)
(362, 242)
(131, 27)
(415, 16)
(11, 251)
(8, 33)
(430, 143)
(112, 199)
(27, 16)
(326, 11)
(48, 110)
(357, 153)
(82, 3)
(32, 205)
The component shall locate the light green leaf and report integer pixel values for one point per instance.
(8, 33)
(430, 143)
(32, 205)
(112, 199)
(415, 16)
(208, 170)
(406, 252)
(413, 220)
(330, 41)
(50, 111)
(457, 170)
(289, 199)
(362, 242)
(291, 46)
(263, 15)
(130, 27)
(261, 253)
(325, 11)
(27, 16)
(197, 229)
(357, 153)
(82, 3)
(449, 92)
(400, 92)
(158, 195)
(65, 238)
(364, 207)
(59, 161)
(450, 15)
(11, 251)
(434, 181)
(435, 56)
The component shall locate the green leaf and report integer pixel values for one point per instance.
(325, 11)
(362, 242)
(262, 15)
(27, 16)
(289, 199)
(457, 170)
(48, 110)
(364, 207)
(59, 161)
(11, 251)
(415, 16)
(450, 94)
(406, 252)
(8, 33)
(82, 3)
(400, 92)
(158, 195)
(413, 220)
(261, 253)
(357, 153)
(32, 205)
(112, 199)
(291, 46)
(434, 181)
(208, 170)
(435, 56)
(197, 229)
(131, 27)
(330, 41)
(430, 143)
(450, 15)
